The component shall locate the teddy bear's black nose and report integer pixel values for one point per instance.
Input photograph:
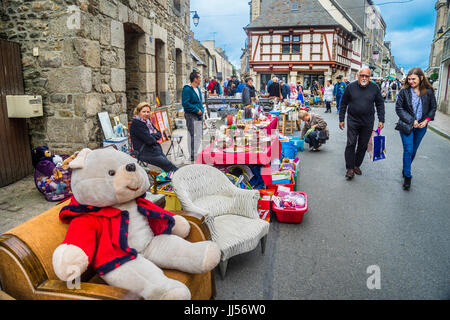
(131, 167)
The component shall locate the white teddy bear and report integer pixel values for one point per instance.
(127, 238)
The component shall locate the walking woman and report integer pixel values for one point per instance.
(415, 107)
(328, 96)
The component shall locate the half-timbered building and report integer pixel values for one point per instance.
(301, 40)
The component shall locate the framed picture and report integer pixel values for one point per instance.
(161, 121)
(106, 124)
(162, 127)
(166, 120)
(155, 123)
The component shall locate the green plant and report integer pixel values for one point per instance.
(434, 76)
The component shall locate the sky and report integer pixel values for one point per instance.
(410, 27)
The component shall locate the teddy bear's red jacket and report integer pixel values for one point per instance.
(102, 233)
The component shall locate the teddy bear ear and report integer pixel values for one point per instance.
(78, 162)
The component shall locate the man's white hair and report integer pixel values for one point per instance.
(275, 79)
(370, 71)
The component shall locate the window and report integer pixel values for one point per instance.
(294, 6)
(309, 79)
(286, 48)
(295, 46)
(282, 77)
(177, 7)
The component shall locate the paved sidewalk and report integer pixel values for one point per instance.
(441, 124)
(19, 202)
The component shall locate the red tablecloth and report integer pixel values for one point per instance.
(272, 125)
(230, 158)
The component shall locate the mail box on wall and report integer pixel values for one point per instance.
(24, 106)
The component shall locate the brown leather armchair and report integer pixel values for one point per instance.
(26, 270)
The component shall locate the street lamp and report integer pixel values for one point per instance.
(443, 35)
(195, 18)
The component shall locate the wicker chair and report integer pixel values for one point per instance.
(230, 213)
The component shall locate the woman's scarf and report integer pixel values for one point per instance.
(150, 126)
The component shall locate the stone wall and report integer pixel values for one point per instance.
(85, 66)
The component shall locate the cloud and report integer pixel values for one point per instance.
(398, 16)
(410, 27)
(226, 19)
(411, 48)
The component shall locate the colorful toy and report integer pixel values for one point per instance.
(52, 180)
(124, 237)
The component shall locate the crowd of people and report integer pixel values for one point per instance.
(356, 104)
(227, 88)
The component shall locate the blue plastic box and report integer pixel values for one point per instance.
(298, 143)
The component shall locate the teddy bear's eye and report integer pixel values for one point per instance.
(111, 172)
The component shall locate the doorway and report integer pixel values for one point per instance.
(133, 71)
(160, 73)
(178, 74)
(15, 158)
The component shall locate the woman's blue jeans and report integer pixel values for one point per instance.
(411, 143)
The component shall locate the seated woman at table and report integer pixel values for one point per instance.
(319, 133)
(144, 137)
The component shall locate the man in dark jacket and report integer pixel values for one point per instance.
(274, 88)
(193, 113)
(285, 90)
(232, 86)
(248, 92)
(359, 98)
(339, 89)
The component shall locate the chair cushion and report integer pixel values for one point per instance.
(216, 205)
(237, 234)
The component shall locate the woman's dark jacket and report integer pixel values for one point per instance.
(141, 136)
(404, 107)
